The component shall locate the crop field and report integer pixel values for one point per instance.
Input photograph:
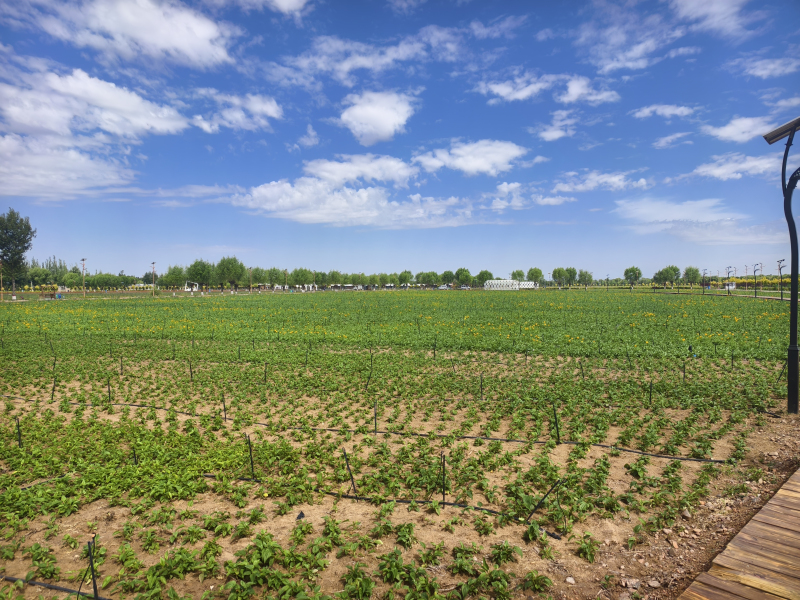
(404, 445)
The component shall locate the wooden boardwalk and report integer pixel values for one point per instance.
(763, 561)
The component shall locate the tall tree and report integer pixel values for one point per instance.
(692, 275)
(230, 270)
(559, 275)
(572, 275)
(633, 274)
(405, 277)
(200, 271)
(463, 276)
(448, 277)
(483, 277)
(668, 274)
(518, 275)
(174, 277)
(585, 278)
(534, 274)
(16, 238)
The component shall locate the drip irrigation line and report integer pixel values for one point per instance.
(409, 433)
(49, 586)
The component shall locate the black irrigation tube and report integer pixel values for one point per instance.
(408, 433)
(57, 588)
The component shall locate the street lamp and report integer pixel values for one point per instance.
(251, 279)
(153, 264)
(606, 281)
(83, 276)
(780, 271)
(793, 352)
(704, 281)
(755, 280)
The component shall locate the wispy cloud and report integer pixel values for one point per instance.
(740, 129)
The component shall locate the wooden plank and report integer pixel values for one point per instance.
(701, 591)
(777, 519)
(789, 491)
(755, 558)
(771, 533)
(734, 587)
(727, 567)
(765, 547)
(784, 503)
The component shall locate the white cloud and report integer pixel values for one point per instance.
(615, 182)
(579, 89)
(366, 167)
(704, 222)
(504, 27)
(376, 116)
(724, 17)
(287, 7)
(250, 112)
(312, 200)
(662, 110)
(54, 168)
(766, 68)
(735, 165)
(489, 157)
(620, 38)
(130, 29)
(684, 51)
(787, 103)
(507, 195)
(552, 200)
(405, 7)
(669, 140)
(740, 129)
(310, 138)
(522, 87)
(561, 126)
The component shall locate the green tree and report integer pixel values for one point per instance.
(230, 270)
(518, 275)
(301, 276)
(200, 271)
(174, 277)
(72, 280)
(16, 238)
(585, 278)
(669, 274)
(483, 277)
(559, 275)
(633, 274)
(335, 277)
(463, 276)
(405, 277)
(571, 275)
(383, 279)
(448, 277)
(691, 275)
(534, 274)
(275, 276)
(40, 276)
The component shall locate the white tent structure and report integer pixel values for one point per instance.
(509, 285)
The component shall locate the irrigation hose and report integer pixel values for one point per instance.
(49, 586)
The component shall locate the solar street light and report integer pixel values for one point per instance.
(780, 271)
(793, 352)
(83, 276)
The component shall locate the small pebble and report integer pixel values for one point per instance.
(570, 580)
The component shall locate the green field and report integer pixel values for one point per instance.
(137, 418)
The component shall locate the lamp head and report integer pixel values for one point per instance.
(781, 132)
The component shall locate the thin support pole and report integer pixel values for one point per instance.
(538, 504)
(352, 480)
(91, 567)
(250, 447)
(555, 418)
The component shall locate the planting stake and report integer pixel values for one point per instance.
(352, 481)
(481, 387)
(53, 393)
(538, 504)
(265, 372)
(109, 390)
(250, 447)
(224, 409)
(782, 369)
(91, 565)
(582, 374)
(684, 371)
(19, 434)
(120, 366)
(135, 458)
(375, 411)
(191, 373)
(240, 352)
(555, 417)
(651, 393)
(444, 476)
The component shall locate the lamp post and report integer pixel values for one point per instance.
(755, 280)
(606, 281)
(83, 276)
(793, 353)
(251, 279)
(780, 271)
(704, 281)
(153, 264)
(1, 280)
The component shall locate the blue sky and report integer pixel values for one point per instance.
(399, 134)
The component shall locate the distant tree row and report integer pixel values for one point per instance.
(669, 274)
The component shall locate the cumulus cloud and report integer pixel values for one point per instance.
(740, 129)
(364, 167)
(669, 141)
(405, 7)
(734, 165)
(250, 112)
(287, 7)
(488, 157)
(579, 89)
(310, 138)
(521, 87)
(766, 68)
(705, 222)
(662, 110)
(561, 126)
(592, 180)
(376, 116)
(684, 51)
(125, 29)
(552, 200)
